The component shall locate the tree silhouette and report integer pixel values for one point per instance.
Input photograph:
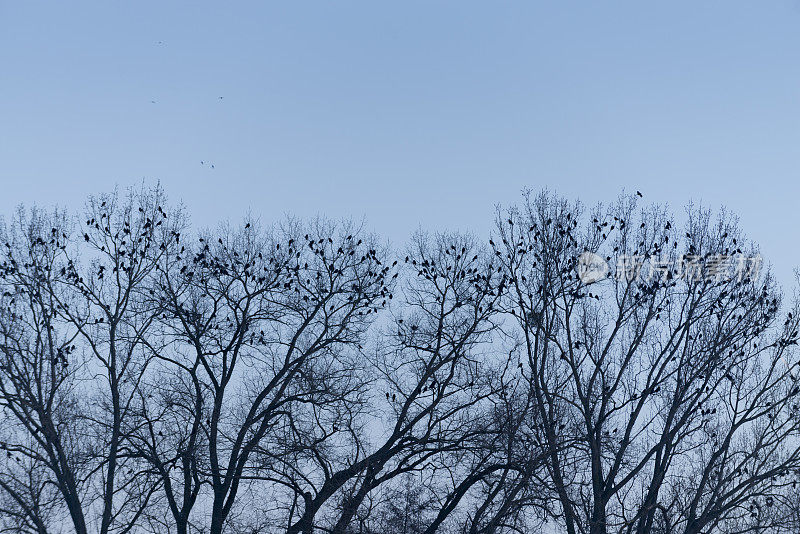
(585, 371)
(665, 402)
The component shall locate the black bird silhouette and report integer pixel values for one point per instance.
(639, 194)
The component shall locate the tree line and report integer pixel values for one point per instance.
(307, 377)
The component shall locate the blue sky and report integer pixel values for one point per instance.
(409, 114)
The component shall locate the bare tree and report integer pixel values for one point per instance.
(299, 379)
(665, 401)
(72, 352)
(261, 325)
(435, 386)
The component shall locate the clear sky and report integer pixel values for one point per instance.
(409, 114)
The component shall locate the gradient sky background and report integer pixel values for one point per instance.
(410, 114)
